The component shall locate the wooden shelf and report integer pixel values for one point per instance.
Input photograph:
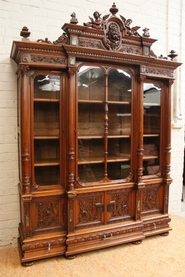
(151, 115)
(112, 159)
(90, 102)
(152, 104)
(109, 137)
(150, 135)
(102, 102)
(45, 100)
(119, 102)
(48, 162)
(150, 157)
(46, 137)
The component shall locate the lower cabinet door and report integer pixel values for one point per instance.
(43, 232)
(103, 219)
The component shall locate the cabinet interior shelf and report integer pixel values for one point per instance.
(46, 100)
(46, 137)
(100, 137)
(150, 157)
(152, 114)
(150, 135)
(152, 104)
(103, 102)
(95, 160)
(48, 162)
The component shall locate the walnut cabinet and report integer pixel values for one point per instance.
(94, 121)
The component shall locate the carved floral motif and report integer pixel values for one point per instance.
(131, 50)
(48, 212)
(149, 198)
(45, 59)
(158, 72)
(121, 199)
(62, 39)
(107, 234)
(90, 43)
(87, 208)
(43, 244)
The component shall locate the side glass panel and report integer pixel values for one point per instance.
(104, 124)
(152, 122)
(46, 130)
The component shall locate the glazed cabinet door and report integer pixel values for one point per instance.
(156, 155)
(43, 210)
(47, 129)
(48, 144)
(104, 124)
(152, 128)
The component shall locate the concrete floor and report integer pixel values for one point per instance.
(156, 256)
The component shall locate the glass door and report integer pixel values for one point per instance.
(119, 103)
(46, 122)
(152, 123)
(104, 124)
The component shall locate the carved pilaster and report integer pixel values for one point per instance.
(71, 129)
(70, 215)
(25, 176)
(27, 219)
(140, 125)
(25, 129)
(140, 161)
(71, 71)
(167, 146)
(24, 69)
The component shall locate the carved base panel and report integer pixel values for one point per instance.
(38, 247)
(101, 238)
(156, 225)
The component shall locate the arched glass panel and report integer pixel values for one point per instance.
(119, 123)
(90, 124)
(152, 123)
(104, 124)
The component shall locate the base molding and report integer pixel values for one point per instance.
(36, 248)
(60, 244)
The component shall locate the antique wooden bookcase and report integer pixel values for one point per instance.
(94, 122)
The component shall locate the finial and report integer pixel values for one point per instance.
(172, 54)
(25, 32)
(73, 20)
(146, 32)
(113, 9)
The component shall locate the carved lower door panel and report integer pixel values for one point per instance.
(103, 219)
(153, 209)
(45, 234)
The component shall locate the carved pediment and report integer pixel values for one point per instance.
(112, 29)
(111, 32)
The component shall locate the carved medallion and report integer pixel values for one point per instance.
(113, 36)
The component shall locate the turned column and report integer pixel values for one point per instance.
(25, 130)
(140, 128)
(71, 129)
(167, 146)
